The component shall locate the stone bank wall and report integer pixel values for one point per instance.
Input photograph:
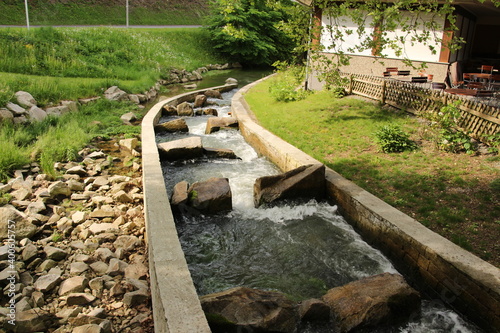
(176, 307)
(445, 271)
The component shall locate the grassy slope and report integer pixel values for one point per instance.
(456, 195)
(103, 12)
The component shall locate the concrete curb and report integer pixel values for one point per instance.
(446, 272)
(176, 307)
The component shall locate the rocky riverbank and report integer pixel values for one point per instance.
(74, 257)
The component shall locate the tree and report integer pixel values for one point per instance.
(247, 31)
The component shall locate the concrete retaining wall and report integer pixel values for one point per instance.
(446, 272)
(176, 307)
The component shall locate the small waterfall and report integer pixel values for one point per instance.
(301, 249)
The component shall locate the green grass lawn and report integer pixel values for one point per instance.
(456, 195)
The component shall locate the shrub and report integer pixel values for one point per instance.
(393, 139)
(285, 87)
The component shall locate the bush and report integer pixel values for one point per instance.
(285, 87)
(393, 139)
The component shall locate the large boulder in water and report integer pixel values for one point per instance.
(199, 101)
(249, 310)
(172, 126)
(181, 149)
(185, 110)
(214, 124)
(307, 181)
(211, 196)
(382, 299)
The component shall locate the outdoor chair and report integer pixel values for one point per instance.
(404, 73)
(486, 69)
(392, 70)
(419, 79)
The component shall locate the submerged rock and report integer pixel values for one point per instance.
(181, 149)
(211, 196)
(172, 126)
(214, 124)
(307, 181)
(382, 299)
(247, 310)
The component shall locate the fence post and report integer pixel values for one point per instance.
(382, 98)
(351, 78)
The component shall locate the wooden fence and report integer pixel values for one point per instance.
(477, 117)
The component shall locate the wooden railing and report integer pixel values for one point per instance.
(477, 117)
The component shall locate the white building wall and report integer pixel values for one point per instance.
(417, 51)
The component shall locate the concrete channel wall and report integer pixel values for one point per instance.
(443, 270)
(176, 307)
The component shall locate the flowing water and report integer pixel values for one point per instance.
(299, 248)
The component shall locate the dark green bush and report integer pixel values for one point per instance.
(393, 139)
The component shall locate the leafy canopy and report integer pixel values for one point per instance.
(247, 31)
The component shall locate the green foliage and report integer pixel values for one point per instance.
(493, 141)
(285, 86)
(495, 185)
(246, 31)
(451, 137)
(393, 139)
(49, 12)
(57, 236)
(5, 199)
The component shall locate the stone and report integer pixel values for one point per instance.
(59, 189)
(381, 299)
(136, 271)
(99, 267)
(180, 194)
(128, 117)
(314, 310)
(98, 228)
(210, 112)
(136, 297)
(116, 267)
(245, 309)
(199, 101)
(214, 124)
(33, 320)
(115, 94)
(76, 284)
(172, 126)
(57, 110)
(25, 99)
(36, 114)
(55, 253)
(213, 93)
(79, 217)
(104, 254)
(77, 268)
(79, 299)
(22, 194)
(211, 196)
(305, 182)
(9, 216)
(169, 110)
(71, 105)
(67, 313)
(30, 251)
(122, 197)
(129, 144)
(77, 170)
(185, 110)
(187, 148)
(47, 282)
(220, 153)
(15, 109)
(35, 207)
(45, 265)
(231, 80)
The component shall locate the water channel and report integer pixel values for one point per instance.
(298, 248)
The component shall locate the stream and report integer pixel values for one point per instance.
(301, 249)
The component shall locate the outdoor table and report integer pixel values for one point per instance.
(461, 91)
(481, 75)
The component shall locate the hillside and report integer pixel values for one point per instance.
(104, 12)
